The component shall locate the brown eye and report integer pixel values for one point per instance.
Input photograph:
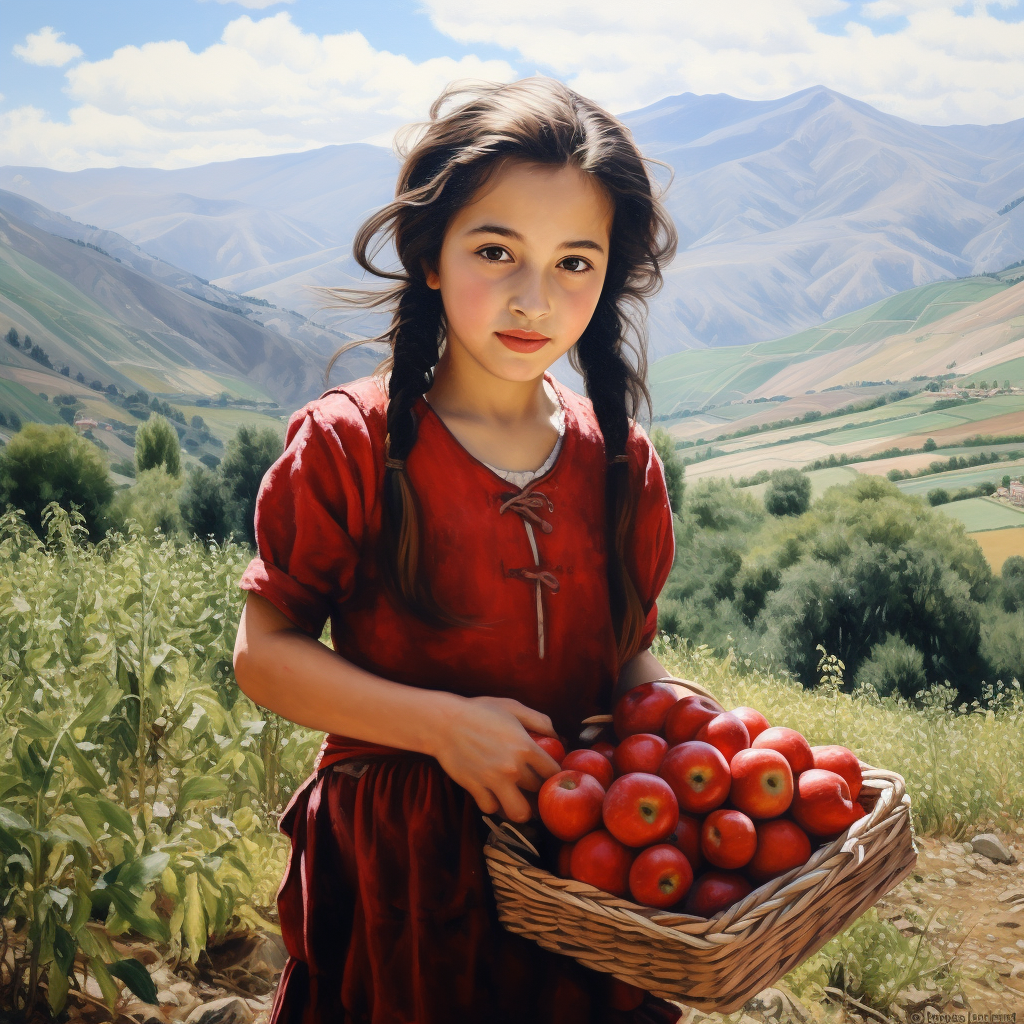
(575, 265)
(494, 254)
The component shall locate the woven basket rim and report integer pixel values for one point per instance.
(728, 925)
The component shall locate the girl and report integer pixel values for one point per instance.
(488, 546)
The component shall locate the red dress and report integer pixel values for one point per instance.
(386, 906)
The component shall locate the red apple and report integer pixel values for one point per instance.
(623, 996)
(728, 838)
(790, 744)
(821, 804)
(604, 748)
(640, 809)
(600, 860)
(591, 762)
(686, 716)
(549, 744)
(781, 845)
(570, 804)
(727, 733)
(762, 782)
(714, 891)
(643, 709)
(698, 774)
(640, 752)
(686, 837)
(755, 722)
(835, 758)
(564, 857)
(660, 876)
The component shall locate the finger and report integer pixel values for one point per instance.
(486, 801)
(541, 765)
(514, 805)
(534, 720)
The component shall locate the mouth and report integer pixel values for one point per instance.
(522, 341)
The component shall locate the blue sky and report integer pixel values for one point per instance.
(179, 82)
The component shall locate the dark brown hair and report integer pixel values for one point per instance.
(543, 121)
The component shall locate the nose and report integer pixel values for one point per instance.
(530, 298)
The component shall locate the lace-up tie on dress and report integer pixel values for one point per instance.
(524, 502)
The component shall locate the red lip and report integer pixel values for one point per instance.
(525, 335)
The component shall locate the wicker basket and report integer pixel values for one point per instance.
(714, 964)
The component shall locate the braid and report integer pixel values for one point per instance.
(417, 334)
(610, 380)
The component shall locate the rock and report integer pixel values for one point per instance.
(914, 998)
(992, 847)
(774, 1004)
(271, 950)
(1012, 895)
(229, 1010)
(1016, 969)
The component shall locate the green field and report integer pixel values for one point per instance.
(979, 514)
(699, 377)
(962, 477)
(1012, 370)
(17, 398)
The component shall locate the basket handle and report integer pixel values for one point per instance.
(501, 833)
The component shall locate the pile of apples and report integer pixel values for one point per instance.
(694, 806)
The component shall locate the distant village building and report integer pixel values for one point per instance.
(85, 424)
(1002, 492)
(1017, 492)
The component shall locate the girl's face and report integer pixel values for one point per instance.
(521, 268)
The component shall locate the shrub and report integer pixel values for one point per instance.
(156, 444)
(250, 453)
(892, 667)
(788, 493)
(1013, 583)
(210, 461)
(204, 506)
(938, 496)
(152, 501)
(44, 464)
(674, 468)
(930, 445)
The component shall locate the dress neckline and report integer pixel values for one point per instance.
(423, 405)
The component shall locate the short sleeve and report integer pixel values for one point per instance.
(654, 544)
(311, 513)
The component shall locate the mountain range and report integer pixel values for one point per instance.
(790, 212)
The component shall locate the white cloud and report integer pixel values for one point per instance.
(45, 47)
(940, 68)
(253, 5)
(265, 87)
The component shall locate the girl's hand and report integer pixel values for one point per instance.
(486, 750)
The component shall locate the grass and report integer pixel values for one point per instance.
(17, 398)
(998, 545)
(962, 477)
(978, 514)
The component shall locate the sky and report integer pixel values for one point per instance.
(175, 83)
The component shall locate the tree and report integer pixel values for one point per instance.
(156, 444)
(27, 343)
(250, 453)
(788, 493)
(1006, 480)
(1013, 583)
(152, 501)
(12, 338)
(938, 496)
(674, 468)
(43, 464)
(198, 423)
(204, 506)
(930, 445)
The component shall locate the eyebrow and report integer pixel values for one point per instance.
(498, 229)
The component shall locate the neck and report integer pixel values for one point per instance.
(465, 389)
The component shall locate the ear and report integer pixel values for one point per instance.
(430, 275)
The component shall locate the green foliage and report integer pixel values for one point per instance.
(204, 506)
(13, 338)
(152, 502)
(142, 789)
(938, 496)
(249, 454)
(1013, 583)
(788, 493)
(123, 468)
(893, 667)
(43, 464)
(930, 445)
(156, 444)
(674, 468)
(1002, 643)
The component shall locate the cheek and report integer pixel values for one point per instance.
(469, 298)
(580, 304)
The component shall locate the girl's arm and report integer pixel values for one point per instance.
(481, 742)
